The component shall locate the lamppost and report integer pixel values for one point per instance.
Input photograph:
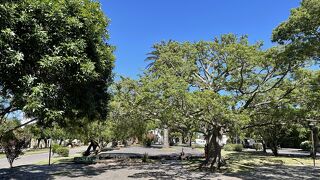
(311, 125)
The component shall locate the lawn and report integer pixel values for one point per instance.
(59, 160)
(240, 161)
(30, 152)
(243, 161)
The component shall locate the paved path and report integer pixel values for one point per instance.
(291, 151)
(34, 158)
(288, 152)
(156, 150)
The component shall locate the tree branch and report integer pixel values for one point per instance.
(21, 125)
(256, 125)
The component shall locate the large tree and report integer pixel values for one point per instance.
(55, 62)
(127, 116)
(300, 33)
(231, 69)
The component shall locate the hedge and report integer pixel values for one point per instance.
(63, 151)
(233, 147)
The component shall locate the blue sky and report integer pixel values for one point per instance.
(136, 25)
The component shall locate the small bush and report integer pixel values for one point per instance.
(306, 145)
(238, 147)
(55, 147)
(257, 146)
(148, 139)
(145, 157)
(63, 151)
(228, 147)
(233, 147)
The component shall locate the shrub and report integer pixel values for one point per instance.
(55, 147)
(306, 145)
(145, 157)
(233, 147)
(12, 146)
(238, 147)
(228, 147)
(148, 139)
(63, 151)
(257, 146)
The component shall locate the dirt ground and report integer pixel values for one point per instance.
(240, 165)
(128, 169)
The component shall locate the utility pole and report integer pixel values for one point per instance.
(50, 142)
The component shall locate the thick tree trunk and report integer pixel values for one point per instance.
(180, 140)
(166, 137)
(38, 144)
(213, 149)
(316, 140)
(190, 139)
(274, 149)
(183, 138)
(10, 162)
(94, 146)
(264, 146)
(45, 143)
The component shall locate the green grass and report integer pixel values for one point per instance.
(245, 161)
(30, 152)
(59, 160)
(36, 151)
(239, 161)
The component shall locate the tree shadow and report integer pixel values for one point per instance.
(159, 169)
(49, 172)
(169, 169)
(160, 156)
(261, 166)
(277, 172)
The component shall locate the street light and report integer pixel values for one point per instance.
(311, 125)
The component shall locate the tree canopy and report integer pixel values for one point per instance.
(55, 62)
(300, 33)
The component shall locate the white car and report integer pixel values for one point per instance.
(200, 142)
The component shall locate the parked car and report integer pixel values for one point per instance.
(248, 143)
(199, 143)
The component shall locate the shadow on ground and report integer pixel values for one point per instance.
(278, 172)
(173, 169)
(49, 172)
(257, 165)
(154, 170)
